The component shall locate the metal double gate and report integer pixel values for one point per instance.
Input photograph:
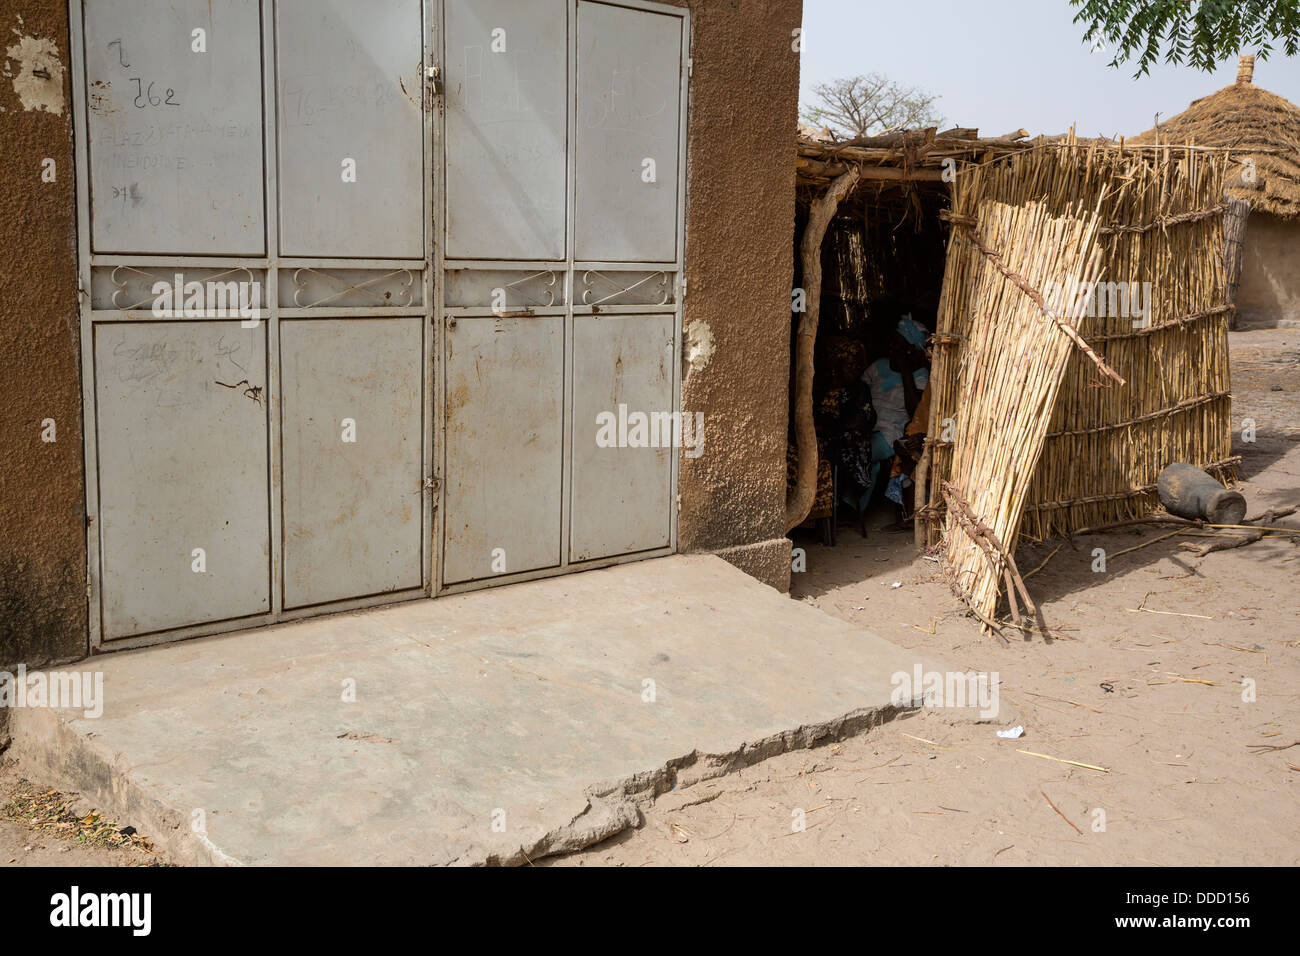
(364, 287)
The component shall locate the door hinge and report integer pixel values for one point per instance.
(690, 68)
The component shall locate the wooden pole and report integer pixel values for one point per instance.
(1234, 235)
(800, 500)
(883, 173)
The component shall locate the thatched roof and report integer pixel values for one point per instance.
(1254, 123)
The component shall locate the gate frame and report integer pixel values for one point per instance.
(272, 312)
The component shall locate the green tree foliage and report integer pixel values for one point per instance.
(1198, 33)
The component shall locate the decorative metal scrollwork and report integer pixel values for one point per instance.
(344, 287)
(120, 287)
(662, 284)
(152, 275)
(552, 279)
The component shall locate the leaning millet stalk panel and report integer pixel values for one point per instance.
(1161, 323)
(1013, 359)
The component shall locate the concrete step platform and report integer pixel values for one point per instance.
(493, 727)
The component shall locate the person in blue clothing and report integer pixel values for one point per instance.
(896, 383)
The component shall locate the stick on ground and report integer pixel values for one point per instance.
(1059, 813)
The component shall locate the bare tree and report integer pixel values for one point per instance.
(869, 105)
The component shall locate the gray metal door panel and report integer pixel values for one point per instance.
(622, 496)
(350, 88)
(504, 445)
(182, 437)
(507, 128)
(175, 135)
(629, 84)
(352, 519)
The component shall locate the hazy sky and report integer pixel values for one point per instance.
(1000, 65)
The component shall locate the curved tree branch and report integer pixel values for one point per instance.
(800, 500)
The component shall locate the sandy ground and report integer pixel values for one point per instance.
(41, 827)
(1156, 699)
(1183, 783)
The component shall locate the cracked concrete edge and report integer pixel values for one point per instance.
(615, 806)
(48, 748)
(51, 750)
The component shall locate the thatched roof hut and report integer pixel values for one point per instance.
(1254, 124)
(1262, 130)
